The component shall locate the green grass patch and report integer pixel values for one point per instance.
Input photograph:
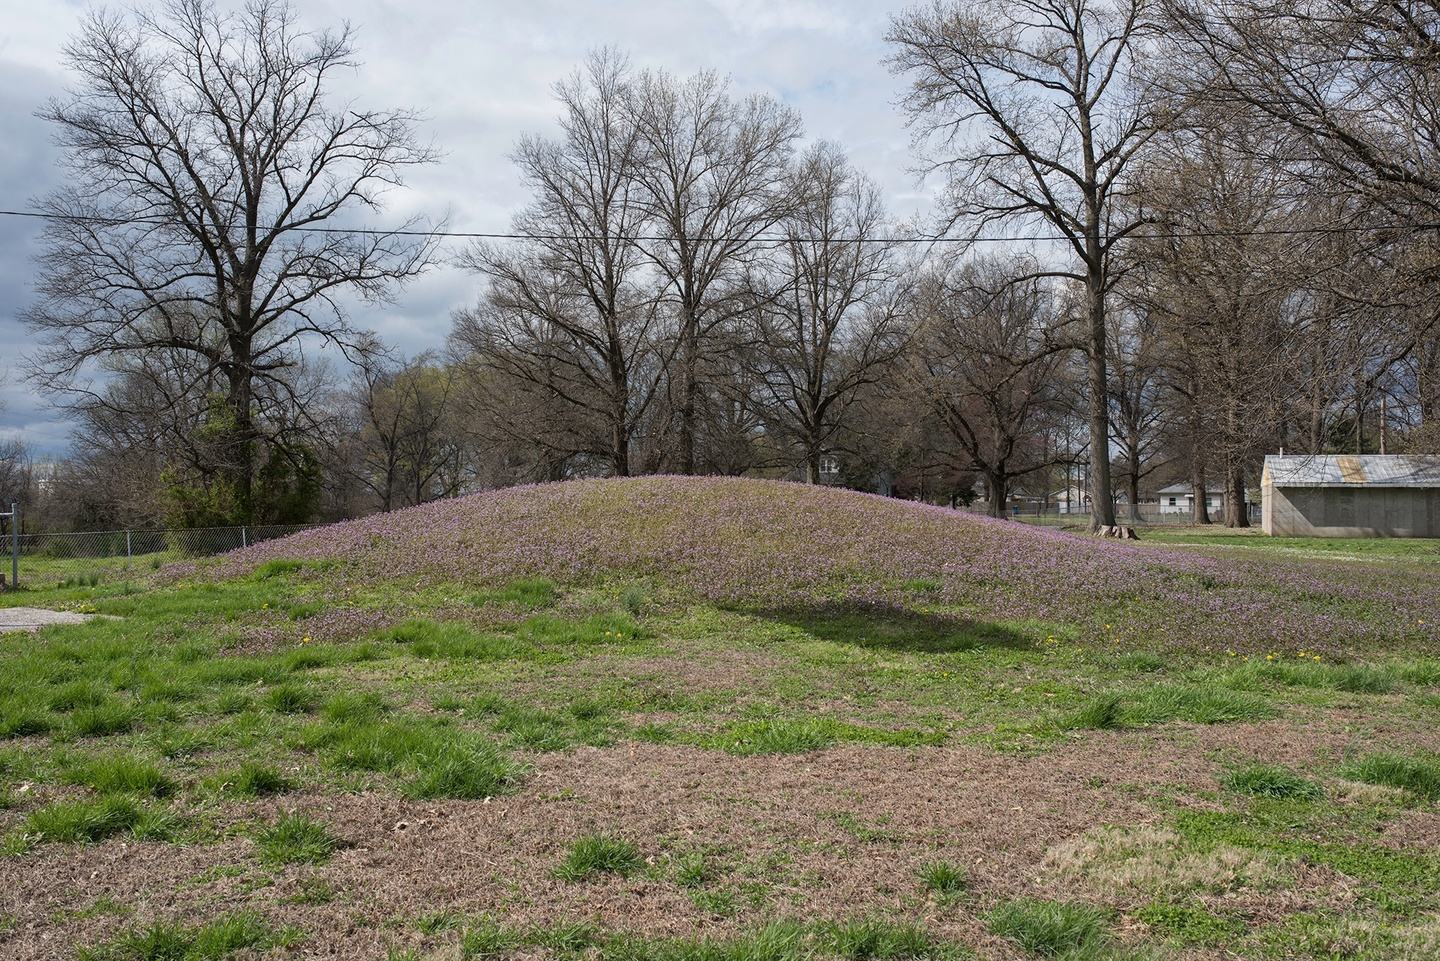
(873, 938)
(1272, 781)
(1200, 703)
(613, 627)
(1101, 713)
(1191, 924)
(599, 854)
(173, 941)
(531, 593)
(102, 720)
(455, 641)
(21, 718)
(290, 698)
(295, 839)
(96, 819)
(469, 770)
(1418, 775)
(783, 735)
(117, 774)
(944, 879)
(255, 780)
(1054, 929)
(1320, 833)
(774, 736)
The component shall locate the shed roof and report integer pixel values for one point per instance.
(1352, 470)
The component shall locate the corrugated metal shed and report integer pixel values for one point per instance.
(1352, 470)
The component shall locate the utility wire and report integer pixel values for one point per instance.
(764, 238)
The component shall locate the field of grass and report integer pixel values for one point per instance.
(685, 719)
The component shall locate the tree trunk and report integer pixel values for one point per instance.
(239, 450)
(997, 484)
(1102, 501)
(1237, 514)
(1200, 512)
(689, 362)
(1133, 487)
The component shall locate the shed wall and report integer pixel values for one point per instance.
(1351, 511)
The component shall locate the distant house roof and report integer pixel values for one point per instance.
(1188, 489)
(1352, 470)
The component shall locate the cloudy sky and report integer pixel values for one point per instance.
(482, 72)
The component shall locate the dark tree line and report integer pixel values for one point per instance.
(1177, 236)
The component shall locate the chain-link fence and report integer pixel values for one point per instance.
(89, 557)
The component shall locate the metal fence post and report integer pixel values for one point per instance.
(129, 555)
(244, 538)
(15, 546)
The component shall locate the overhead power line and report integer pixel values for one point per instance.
(764, 238)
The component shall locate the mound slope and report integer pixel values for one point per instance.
(775, 545)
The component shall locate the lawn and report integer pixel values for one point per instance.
(676, 719)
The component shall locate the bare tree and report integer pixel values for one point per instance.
(207, 172)
(1137, 395)
(713, 175)
(834, 323)
(1219, 272)
(1035, 111)
(1354, 81)
(410, 447)
(569, 308)
(986, 363)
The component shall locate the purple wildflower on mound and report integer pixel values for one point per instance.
(770, 544)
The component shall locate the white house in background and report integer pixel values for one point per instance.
(1180, 499)
(1070, 500)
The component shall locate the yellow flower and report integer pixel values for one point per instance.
(304, 640)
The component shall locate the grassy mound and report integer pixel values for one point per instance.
(770, 545)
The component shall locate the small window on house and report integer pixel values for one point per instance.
(829, 464)
(1172, 502)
